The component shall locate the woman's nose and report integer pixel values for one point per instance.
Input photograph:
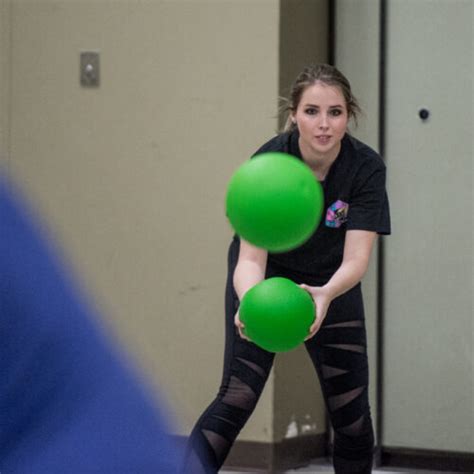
(323, 121)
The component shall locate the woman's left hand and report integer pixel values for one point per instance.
(322, 300)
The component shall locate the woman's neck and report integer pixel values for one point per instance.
(320, 163)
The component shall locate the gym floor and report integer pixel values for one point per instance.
(323, 466)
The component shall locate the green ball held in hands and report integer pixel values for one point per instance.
(274, 201)
(277, 314)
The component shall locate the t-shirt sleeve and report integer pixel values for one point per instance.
(369, 207)
(279, 143)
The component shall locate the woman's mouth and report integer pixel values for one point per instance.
(323, 139)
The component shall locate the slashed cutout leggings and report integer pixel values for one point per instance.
(339, 355)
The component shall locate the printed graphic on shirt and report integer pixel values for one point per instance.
(337, 214)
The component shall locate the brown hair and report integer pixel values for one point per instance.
(328, 75)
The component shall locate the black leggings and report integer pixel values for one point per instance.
(339, 355)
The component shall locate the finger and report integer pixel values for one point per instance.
(311, 334)
(315, 326)
(238, 322)
(240, 327)
(313, 330)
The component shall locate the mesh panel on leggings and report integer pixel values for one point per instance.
(329, 371)
(193, 464)
(343, 367)
(354, 428)
(254, 366)
(238, 398)
(344, 376)
(349, 324)
(221, 423)
(338, 401)
(239, 394)
(218, 442)
(348, 347)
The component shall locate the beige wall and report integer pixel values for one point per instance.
(357, 56)
(4, 80)
(131, 176)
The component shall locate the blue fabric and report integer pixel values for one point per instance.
(68, 401)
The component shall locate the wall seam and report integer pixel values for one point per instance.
(381, 246)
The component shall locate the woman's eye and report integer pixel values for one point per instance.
(336, 112)
(311, 111)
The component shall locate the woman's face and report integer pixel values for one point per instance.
(321, 117)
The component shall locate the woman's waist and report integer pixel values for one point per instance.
(310, 272)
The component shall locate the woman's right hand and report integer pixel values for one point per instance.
(240, 326)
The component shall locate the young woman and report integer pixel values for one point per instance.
(330, 266)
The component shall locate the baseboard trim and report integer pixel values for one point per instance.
(253, 456)
(427, 459)
(273, 457)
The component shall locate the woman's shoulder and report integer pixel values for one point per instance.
(362, 154)
(280, 142)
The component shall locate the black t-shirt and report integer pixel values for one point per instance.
(355, 199)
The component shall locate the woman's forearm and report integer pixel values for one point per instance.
(246, 275)
(346, 277)
(357, 251)
(250, 268)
